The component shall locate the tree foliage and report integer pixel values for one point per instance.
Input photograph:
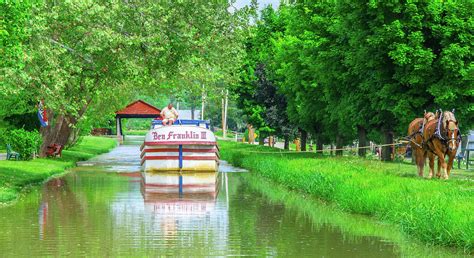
(86, 59)
(351, 67)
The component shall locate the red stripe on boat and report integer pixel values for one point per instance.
(180, 143)
(177, 158)
(184, 157)
(177, 150)
(177, 185)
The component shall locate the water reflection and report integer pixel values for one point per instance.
(175, 182)
(57, 196)
(95, 211)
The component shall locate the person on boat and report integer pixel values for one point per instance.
(169, 114)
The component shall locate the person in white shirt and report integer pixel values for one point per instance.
(169, 115)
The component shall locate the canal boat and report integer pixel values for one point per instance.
(181, 157)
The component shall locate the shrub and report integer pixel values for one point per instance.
(24, 142)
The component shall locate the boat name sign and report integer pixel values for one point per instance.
(180, 134)
(186, 135)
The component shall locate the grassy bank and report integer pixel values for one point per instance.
(353, 227)
(434, 211)
(15, 175)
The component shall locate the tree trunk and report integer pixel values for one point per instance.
(74, 137)
(362, 140)
(65, 132)
(304, 138)
(332, 151)
(193, 109)
(261, 139)
(319, 146)
(57, 133)
(338, 146)
(286, 146)
(387, 150)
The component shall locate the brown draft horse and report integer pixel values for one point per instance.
(416, 141)
(442, 142)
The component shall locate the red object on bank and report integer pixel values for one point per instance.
(54, 150)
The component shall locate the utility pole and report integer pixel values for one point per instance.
(226, 103)
(224, 112)
(203, 102)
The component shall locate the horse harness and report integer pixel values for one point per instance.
(419, 132)
(438, 134)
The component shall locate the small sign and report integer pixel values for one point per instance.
(178, 134)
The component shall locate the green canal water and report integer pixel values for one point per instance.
(100, 209)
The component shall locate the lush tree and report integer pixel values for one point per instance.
(260, 98)
(87, 59)
(13, 32)
(353, 69)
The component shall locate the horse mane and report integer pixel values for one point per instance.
(448, 116)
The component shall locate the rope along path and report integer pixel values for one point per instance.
(352, 148)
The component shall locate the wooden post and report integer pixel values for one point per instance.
(119, 128)
(467, 157)
(298, 145)
(251, 134)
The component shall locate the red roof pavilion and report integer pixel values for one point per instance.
(138, 109)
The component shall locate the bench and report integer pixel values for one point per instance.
(464, 151)
(469, 148)
(12, 154)
(54, 150)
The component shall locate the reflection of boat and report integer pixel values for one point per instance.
(173, 182)
(192, 214)
(182, 157)
(187, 204)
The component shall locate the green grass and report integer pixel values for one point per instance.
(352, 226)
(434, 211)
(219, 133)
(16, 175)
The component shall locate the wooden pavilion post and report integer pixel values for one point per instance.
(119, 128)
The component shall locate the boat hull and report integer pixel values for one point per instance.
(180, 159)
(180, 148)
(170, 182)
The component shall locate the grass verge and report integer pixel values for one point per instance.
(16, 175)
(434, 211)
(352, 226)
